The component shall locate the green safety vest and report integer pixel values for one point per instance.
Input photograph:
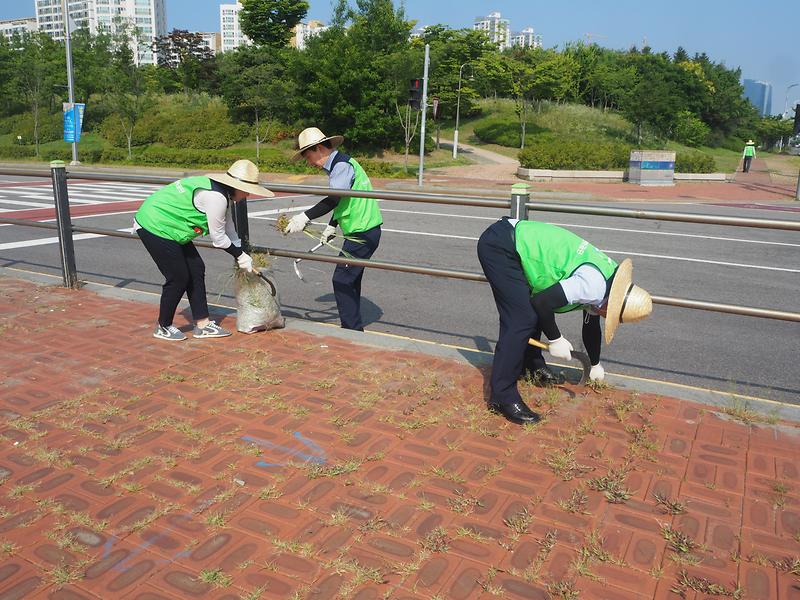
(749, 150)
(170, 212)
(550, 254)
(356, 214)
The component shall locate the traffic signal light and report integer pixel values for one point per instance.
(415, 94)
(796, 119)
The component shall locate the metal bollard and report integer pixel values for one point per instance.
(239, 212)
(519, 198)
(66, 245)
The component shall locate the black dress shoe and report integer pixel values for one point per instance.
(544, 377)
(516, 412)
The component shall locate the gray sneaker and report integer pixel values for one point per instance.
(212, 330)
(171, 333)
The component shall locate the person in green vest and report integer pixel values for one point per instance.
(536, 270)
(359, 218)
(167, 222)
(748, 155)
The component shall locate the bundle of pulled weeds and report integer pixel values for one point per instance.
(316, 232)
(258, 309)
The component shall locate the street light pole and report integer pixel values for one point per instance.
(70, 81)
(424, 108)
(458, 110)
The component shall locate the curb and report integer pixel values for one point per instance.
(476, 358)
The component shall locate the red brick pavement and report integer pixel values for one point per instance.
(284, 465)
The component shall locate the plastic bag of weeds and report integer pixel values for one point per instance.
(257, 308)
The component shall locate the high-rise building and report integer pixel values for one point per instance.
(303, 31)
(496, 27)
(232, 36)
(144, 20)
(19, 26)
(526, 39)
(760, 95)
(212, 40)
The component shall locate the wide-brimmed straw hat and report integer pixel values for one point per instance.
(750, 143)
(242, 175)
(627, 303)
(312, 136)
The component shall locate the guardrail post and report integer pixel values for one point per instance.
(239, 213)
(66, 245)
(519, 198)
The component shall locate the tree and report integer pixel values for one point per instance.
(37, 65)
(258, 87)
(270, 22)
(191, 61)
(128, 98)
(349, 78)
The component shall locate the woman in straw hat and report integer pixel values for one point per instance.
(359, 218)
(172, 217)
(536, 270)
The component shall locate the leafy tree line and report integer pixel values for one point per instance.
(353, 79)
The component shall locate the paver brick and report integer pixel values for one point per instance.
(232, 481)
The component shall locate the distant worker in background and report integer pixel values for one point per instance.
(748, 155)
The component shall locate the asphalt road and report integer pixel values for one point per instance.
(740, 355)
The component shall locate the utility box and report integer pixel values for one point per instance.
(652, 167)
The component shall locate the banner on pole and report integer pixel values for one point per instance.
(73, 121)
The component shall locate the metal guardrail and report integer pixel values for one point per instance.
(518, 205)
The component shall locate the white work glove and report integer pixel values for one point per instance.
(561, 348)
(245, 262)
(598, 373)
(297, 223)
(327, 233)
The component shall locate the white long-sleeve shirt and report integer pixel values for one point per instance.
(221, 228)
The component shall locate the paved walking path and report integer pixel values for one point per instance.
(296, 465)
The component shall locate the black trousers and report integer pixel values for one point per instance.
(518, 321)
(347, 278)
(184, 272)
(747, 161)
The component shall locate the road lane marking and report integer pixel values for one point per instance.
(576, 226)
(46, 241)
(24, 203)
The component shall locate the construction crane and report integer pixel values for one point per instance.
(593, 36)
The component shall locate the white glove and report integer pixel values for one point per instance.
(245, 262)
(297, 223)
(561, 348)
(598, 373)
(328, 233)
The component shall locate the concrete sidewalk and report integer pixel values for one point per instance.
(291, 464)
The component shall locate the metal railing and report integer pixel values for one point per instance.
(518, 206)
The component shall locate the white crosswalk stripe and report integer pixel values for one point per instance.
(27, 197)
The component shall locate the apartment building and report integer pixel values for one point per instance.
(145, 20)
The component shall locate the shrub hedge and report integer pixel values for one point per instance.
(600, 156)
(51, 126)
(552, 153)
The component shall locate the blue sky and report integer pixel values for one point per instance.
(760, 37)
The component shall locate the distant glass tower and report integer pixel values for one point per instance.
(760, 95)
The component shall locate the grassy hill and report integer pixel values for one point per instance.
(580, 128)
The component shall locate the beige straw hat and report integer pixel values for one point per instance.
(627, 303)
(242, 175)
(750, 143)
(312, 136)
